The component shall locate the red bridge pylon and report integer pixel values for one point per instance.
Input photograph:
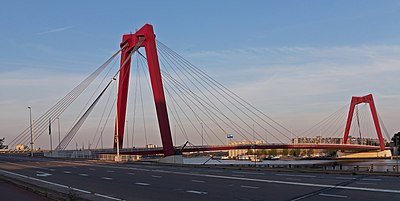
(144, 37)
(358, 100)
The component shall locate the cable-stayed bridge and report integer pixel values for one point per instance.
(182, 98)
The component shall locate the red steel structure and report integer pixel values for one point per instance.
(358, 100)
(144, 37)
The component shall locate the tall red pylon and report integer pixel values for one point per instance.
(358, 100)
(144, 37)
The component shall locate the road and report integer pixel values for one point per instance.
(110, 181)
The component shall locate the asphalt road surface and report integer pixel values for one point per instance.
(110, 181)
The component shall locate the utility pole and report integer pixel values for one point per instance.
(30, 120)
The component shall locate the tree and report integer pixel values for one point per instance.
(396, 140)
(273, 152)
(285, 152)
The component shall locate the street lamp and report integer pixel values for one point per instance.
(30, 122)
(59, 134)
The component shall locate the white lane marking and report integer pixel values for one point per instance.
(42, 174)
(156, 176)
(142, 184)
(240, 172)
(106, 178)
(197, 192)
(215, 170)
(255, 180)
(293, 179)
(67, 172)
(346, 178)
(296, 175)
(365, 183)
(332, 195)
(27, 166)
(60, 185)
(198, 181)
(110, 170)
(251, 187)
(52, 170)
(84, 175)
(131, 173)
(367, 179)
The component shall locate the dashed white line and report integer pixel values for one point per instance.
(84, 175)
(332, 195)
(367, 179)
(106, 178)
(131, 173)
(296, 175)
(293, 179)
(156, 176)
(60, 185)
(346, 178)
(67, 172)
(52, 170)
(197, 192)
(365, 183)
(251, 187)
(110, 170)
(215, 170)
(240, 172)
(142, 184)
(198, 181)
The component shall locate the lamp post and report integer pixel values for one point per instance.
(51, 140)
(59, 134)
(30, 122)
(202, 138)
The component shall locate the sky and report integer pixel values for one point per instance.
(298, 61)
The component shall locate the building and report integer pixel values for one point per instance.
(239, 152)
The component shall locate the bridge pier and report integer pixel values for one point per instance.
(173, 159)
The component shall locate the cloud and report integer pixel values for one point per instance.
(55, 30)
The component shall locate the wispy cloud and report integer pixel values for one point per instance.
(55, 30)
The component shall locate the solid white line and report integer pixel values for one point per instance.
(197, 192)
(296, 175)
(59, 185)
(198, 181)
(240, 172)
(142, 184)
(252, 187)
(331, 195)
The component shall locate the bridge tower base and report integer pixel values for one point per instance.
(174, 159)
(364, 155)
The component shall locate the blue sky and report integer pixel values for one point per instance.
(318, 53)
